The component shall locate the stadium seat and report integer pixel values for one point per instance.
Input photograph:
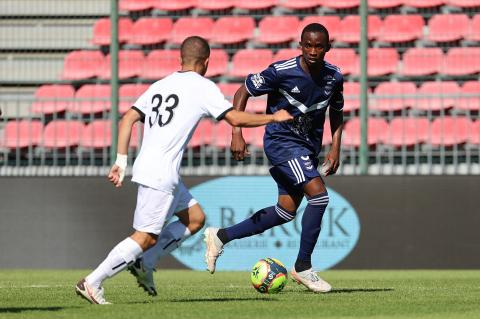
(449, 131)
(229, 89)
(351, 95)
(376, 131)
(462, 61)
(79, 65)
(474, 133)
(136, 136)
(402, 28)
(188, 26)
(299, 4)
(381, 61)
(23, 133)
(62, 133)
(327, 132)
(349, 30)
(150, 30)
(53, 98)
(394, 96)
(221, 135)
(254, 136)
(277, 29)
(384, 4)
(233, 29)
(464, 3)
(135, 5)
(218, 63)
(215, 4)
(448, 27)
(160, 63)
(130, 64)
(332, 23)
(92, 98)
(203, 134)
(424, 3)
(407, 131)
(169, 5)
(345, 59)
(97, 134)
(257, 104)
(474, 33)
(255, 4)
(340, 4)
(101, 31)
(128, 94)
(247, 61)
(422, 61)
(286, 54)
(472, 102)
(435, 96)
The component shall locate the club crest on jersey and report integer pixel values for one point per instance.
(257, 80)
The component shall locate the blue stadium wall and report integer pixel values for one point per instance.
(381, 222)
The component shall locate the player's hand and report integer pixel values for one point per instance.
(238, 147)
(117, 172)
(331, 163)
(282, 116)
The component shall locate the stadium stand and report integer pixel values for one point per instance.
(97, 134)
(470, 97)
(22, 133)
(394, 96)
(422, 61)
(462, 61)
(340, 4)
(385, 4)
(407, 131)
(449, 131)
(128, 94)
(169, 5)
(299, 4)
(247, 61)
(130, 64)
(376, 131)
(202, 134)
(83, 64)
(91, 98)
(255, 4)
(423, 3)
(464, 3)
(101, 31)
(60, 134)
(233, 29)
(221, 135)
(474, 134)
(135, 5)
(381, 61)
(332, 23)
(474, 33)
(349, 30)
(286, 54)
(254, 136)
(436, 96)
(448, 27)
(188, 26)
(150, 30)
(218, 63)
(402, 28)
(277, 29)
(345, 59)
(215, 4)
(160, 63)
(53, 98)
(351, 93)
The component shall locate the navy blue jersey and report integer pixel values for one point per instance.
(306, 98)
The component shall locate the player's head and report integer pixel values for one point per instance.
(314, 43)
(195, 53)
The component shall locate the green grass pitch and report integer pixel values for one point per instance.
(190, 294)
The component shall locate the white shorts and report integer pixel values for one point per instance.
(155, 207)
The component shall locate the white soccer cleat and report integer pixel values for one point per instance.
(311, 280)
(214, 248)
(91, 294)
(144, 276)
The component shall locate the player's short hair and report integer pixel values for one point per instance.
(194, 49)
(315, 27)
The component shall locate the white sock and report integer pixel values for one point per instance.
(126, 252)
(169, 239)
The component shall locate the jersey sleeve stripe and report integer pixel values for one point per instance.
(138, 111)
(221, 116)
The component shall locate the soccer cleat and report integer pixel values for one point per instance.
(214, 248)
(91, 294)
(144, 276)
(311, 280)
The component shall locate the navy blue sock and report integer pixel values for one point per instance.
(311, 223)
(259, 222)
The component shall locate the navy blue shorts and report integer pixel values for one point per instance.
(291, 176)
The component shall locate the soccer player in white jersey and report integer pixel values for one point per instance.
(171, 109)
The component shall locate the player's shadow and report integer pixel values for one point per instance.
(221, 299)
(22, 309)
(352, 290)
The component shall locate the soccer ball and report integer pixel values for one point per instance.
(269, 275)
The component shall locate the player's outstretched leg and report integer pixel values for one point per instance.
(214, 248)
(90, 293)
(144, 276)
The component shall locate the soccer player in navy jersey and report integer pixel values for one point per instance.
(305, 86)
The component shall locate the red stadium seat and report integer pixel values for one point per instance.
(474, 133)
(448, 27)
(394, 96)
(188, 26)
(102, 35)
(221, 135)
(255, 4)
(474, 33)
(286, 54)
(402, 28)
(407, 131)
(435, 96)
(174, 5)
(79, 65)
(149, 30)
(160, 63)
(248, 61)
(97, 134)
(384, 4)
(349, 30)
(470, 97)
(422, 61)
(299, 4)
(381, 61)
(229, 30)
(130, 64)
(92, 98)
(462, 61)
(203, 134)
(332, 23)
(464, 3)
(277, 29)
(229, 89)
(340, 4)
(136, 136)
(215, 4)
(62, 133)
(23, 133)
(254, 136)
(424, 3)
(449, 131)
(257, 104)
(376, 131)
(128, 94)
(53, 98)
(345, 59)
(351, 95)
(218, 63)
(135, 5)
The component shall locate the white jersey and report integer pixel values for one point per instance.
(172, 108)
